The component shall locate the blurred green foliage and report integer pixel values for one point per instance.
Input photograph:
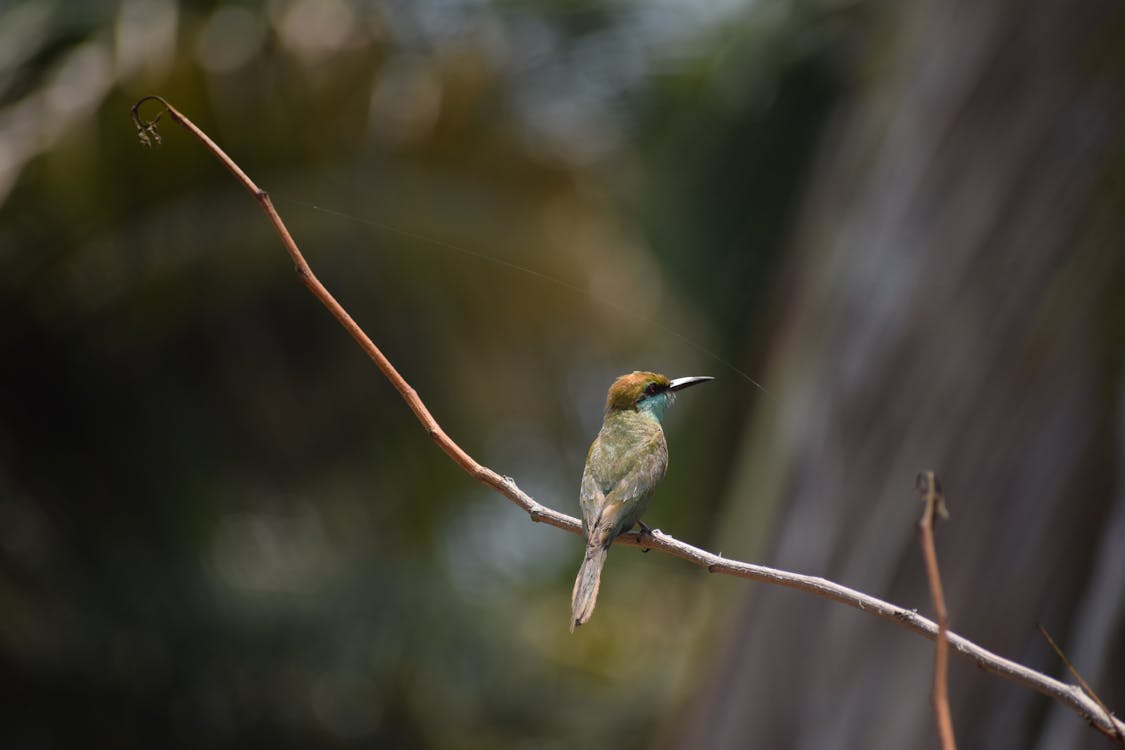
(218, 525)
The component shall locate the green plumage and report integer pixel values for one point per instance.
(626, 461)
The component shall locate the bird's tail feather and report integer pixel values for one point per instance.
(585, 593)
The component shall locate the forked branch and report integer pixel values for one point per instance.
(1117, 734)
(1069, 695)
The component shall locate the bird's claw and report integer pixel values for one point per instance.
(645, 532)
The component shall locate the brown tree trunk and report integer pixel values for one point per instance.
(955, 301)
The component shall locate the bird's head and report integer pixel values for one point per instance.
(646, 391)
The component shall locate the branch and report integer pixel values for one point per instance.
(1117, 735)
(1068, 695)
(927, 484)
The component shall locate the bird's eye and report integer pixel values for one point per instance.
(650, 389)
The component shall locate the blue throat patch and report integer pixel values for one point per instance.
(655, 405)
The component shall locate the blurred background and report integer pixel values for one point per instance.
(219, 526)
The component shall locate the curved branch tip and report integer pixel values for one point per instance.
(146, 130)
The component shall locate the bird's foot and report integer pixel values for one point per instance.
(645, 532)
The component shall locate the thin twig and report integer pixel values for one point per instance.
(1068, 695)
(927, 484)
(1085, 685)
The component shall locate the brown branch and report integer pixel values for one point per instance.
(927, 484)
(1068, 695)
(1085, 685)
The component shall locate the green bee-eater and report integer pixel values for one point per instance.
(625, 463)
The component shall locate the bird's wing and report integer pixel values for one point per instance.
(613, 495)
(591, 499)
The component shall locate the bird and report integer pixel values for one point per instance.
(625, 462)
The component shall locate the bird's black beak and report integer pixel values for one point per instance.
(680, 383)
